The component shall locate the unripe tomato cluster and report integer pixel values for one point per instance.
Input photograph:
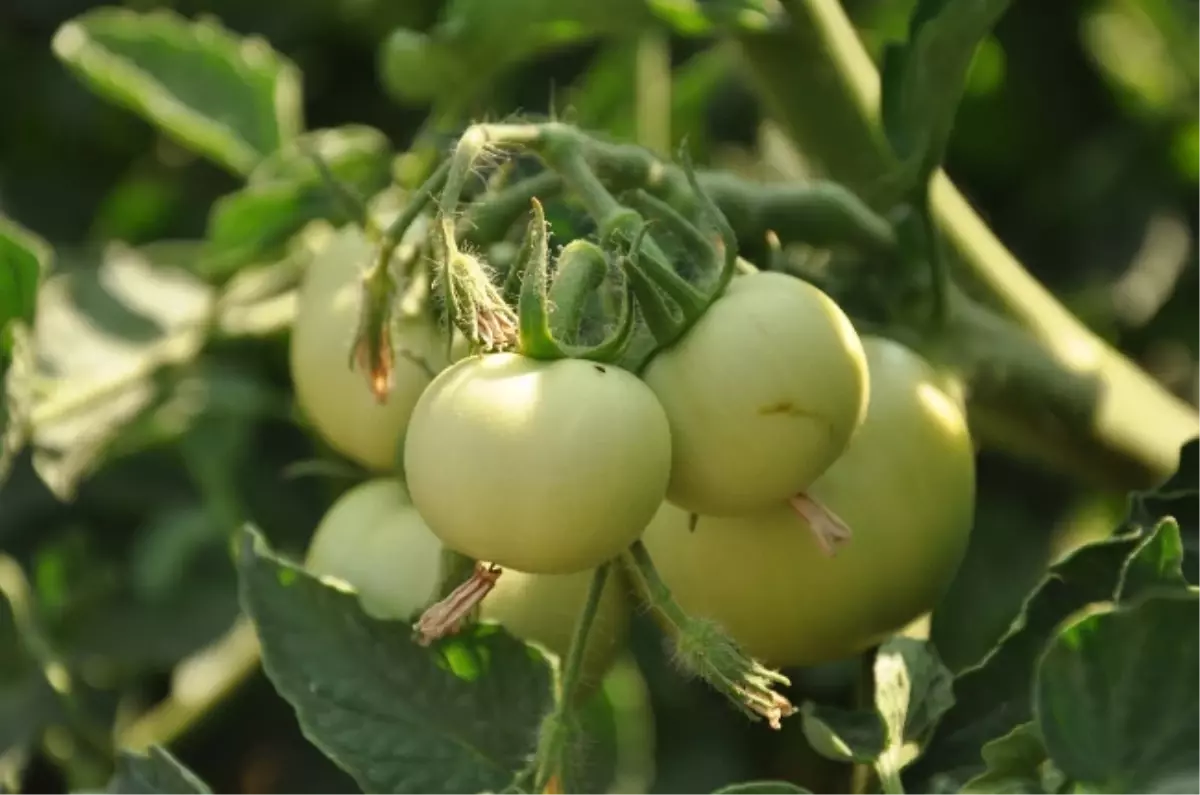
(549, 469)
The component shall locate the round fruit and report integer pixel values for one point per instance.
(547, 467)
(335, 398)
(763, 393)
(375, 541)
(906, 488)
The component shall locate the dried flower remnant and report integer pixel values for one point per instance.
(447, 616)
(828, 529)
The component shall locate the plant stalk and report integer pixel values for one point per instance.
(552, 748)
(1136, 427)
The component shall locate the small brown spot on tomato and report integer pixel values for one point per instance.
(786, 407)
(599, 369)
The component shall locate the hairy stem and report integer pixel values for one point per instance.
(1136, 427)
(552, 748)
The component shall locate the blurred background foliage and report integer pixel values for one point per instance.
(1077, 141)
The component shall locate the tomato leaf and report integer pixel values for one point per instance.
(106, 332)
(1117, 696)
(912, 691)
(992, 697)
(1177, 498)
(24, 257)
(696, 18)
(156, 771)
(285, 192)
(842, 734)
(1156, 564)
(923, 80)
(461, 717)
(1016, 763)
(760, 788)
(232, 99)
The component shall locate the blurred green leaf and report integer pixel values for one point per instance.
(460, 717)
(844, 735)
(923, 80)
(234, 100)
(156, 771)
(1117, 696)
(1017, 763)
(760, 788)
(912, 692)
(1157, 564)
(992, 697)
(707, 17)
(27, 704)
(24, 258)
(104, 334)
(285, 192)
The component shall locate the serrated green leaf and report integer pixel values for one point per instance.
(992, 697)
(1117, 695)
(24, 257)
(760, 788)
(285, 192)
(1156, 564)
(923, 80)
(1014, 764)
(234, 100)
(461, 717)
(154, 773)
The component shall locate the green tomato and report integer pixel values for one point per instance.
(334, 397)
(548, 467)
(373, 540)
(763, 393)
(906, 488)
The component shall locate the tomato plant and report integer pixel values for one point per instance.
(906, 488)
(525, 397)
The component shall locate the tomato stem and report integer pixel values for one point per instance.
(580, 272)
(705, 649)
(536, 334)
(556, 729)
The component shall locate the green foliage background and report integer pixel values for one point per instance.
(1076, 140)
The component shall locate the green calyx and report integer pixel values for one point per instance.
(671, 304)
(582, 268)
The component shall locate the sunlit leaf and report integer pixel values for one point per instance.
(234, 100)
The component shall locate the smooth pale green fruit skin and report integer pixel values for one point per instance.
(906, 487)
(544, 467)
(334, 397)
(763, 394)
(374, 540)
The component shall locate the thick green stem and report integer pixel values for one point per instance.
(580, 272)
(553, 745)
(1136, 427)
